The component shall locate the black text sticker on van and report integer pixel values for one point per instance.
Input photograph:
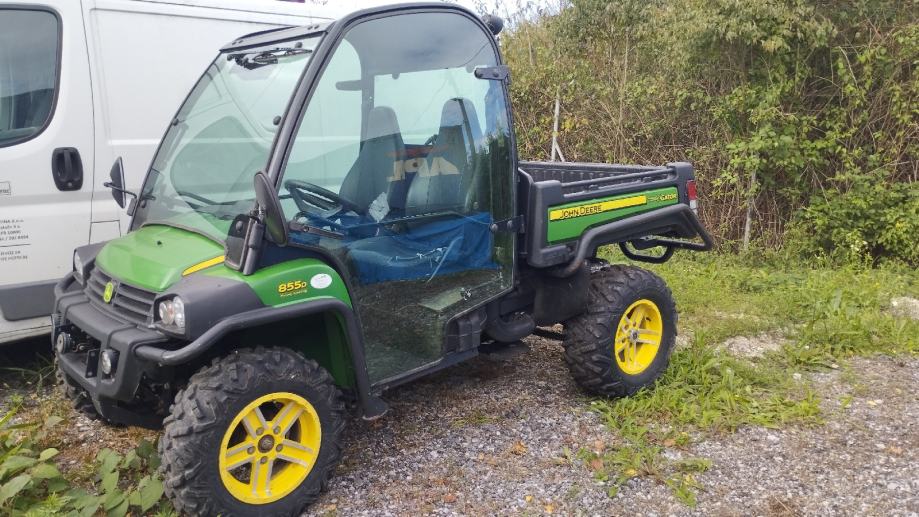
(5, 188)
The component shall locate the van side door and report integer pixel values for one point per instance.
(46, 156)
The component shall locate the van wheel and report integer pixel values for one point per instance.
(624, 340)
(256, 432)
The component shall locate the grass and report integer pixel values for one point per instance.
(34, 366)
(827, 316)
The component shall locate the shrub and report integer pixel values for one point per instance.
(772, 100)
(872, 220)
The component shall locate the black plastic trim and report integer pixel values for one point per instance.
(277, 35)
(372, 406)
(425, 370)
(88, 255)
(73, 308)
(677, 218)
(26, 301)
(201, 313)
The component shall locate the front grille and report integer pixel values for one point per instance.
(129, 302)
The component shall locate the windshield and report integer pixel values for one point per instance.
(201, 177)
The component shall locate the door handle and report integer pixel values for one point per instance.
(67, 168)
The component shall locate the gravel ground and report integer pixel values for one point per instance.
(487, 437)
(863, 461)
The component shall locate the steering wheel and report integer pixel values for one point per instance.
(308, 196)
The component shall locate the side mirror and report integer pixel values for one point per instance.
(494, 23)
(117, 183)
(267, 197)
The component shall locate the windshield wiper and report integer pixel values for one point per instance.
(258, 58)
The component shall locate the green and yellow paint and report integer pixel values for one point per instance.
(568, 221)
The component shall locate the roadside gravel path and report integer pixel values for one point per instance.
(487, 437)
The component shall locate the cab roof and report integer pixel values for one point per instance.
(290, 33)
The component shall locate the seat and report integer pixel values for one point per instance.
(438, 245)
(444, 181)
(375, 168)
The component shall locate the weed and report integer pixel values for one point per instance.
(828, 315)
(477, 417)
(845, 401)
(37, 375)
(684, 486)
(30, 482)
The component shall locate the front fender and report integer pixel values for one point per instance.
(371, 406)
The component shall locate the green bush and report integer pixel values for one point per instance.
(873, 220)
(783, 102)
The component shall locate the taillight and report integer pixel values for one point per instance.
(692, 195)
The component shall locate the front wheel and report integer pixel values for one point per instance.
(624, 340)
(257, 432)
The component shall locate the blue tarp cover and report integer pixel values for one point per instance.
(441, 247)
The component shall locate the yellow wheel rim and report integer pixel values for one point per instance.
(638, 337)
(270, 448)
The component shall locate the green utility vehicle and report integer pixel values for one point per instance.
(336, 210)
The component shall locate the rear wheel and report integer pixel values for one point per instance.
(257, 432)
(624, 340)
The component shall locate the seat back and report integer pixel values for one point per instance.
(443, 180)
(380, 155)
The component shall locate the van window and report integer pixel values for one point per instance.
(28, 72)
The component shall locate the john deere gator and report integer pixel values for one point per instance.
(336, 210)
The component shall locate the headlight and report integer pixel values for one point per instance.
(78, 267)
(167, 312)
(172, 312)
(178, 307)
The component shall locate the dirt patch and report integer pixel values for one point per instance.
(905, 307)
(754, 346)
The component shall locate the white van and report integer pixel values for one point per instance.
(82, 82)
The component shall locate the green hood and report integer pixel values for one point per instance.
(155, 256)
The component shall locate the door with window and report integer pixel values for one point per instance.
(399, 168)
(46, 154)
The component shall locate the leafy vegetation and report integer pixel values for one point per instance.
(825, 314)
(804, 111)
(32, 484)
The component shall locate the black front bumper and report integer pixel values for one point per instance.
(75, 313)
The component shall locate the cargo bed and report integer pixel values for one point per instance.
(572, 208)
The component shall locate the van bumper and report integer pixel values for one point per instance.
(88, 333)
